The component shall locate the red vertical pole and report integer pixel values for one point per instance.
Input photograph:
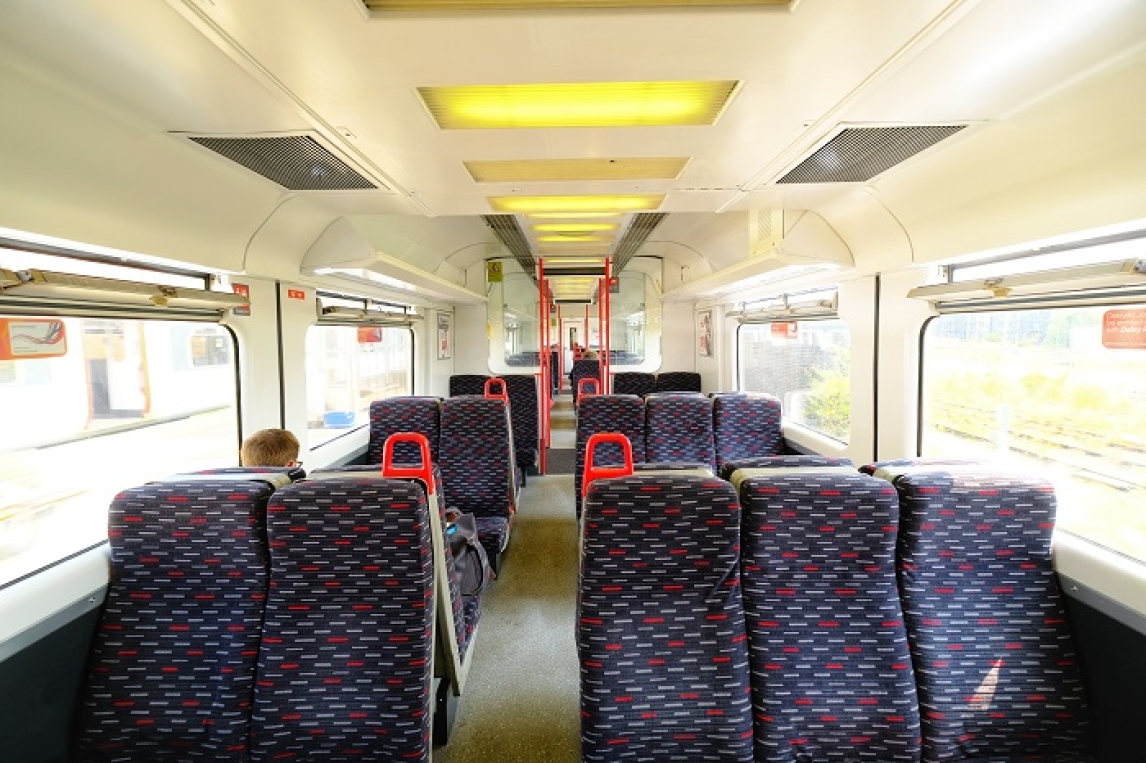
(543, 356)
(602, 289)
(606, 385)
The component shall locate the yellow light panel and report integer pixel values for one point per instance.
(564, 261)
(573, 227)
(556, 170)
(577, 238)
(577, 104)
(532, 204)
(440, 6)
(573, 215)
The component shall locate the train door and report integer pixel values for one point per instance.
(114, 358)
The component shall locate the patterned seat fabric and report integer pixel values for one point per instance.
(173, 660)
(780, 462)
(831, 672)
(994, 656)
(477, 464)
(404, 414)
(465, 610)
(584, 369)
(872, 468)
(679, 428)
(523, 412)
(745, 425)
(634, 383)
(660, 634)
(467, 384)
(678, 381)
(345, 667)
(608, 413)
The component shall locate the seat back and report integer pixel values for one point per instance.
(173, 660)
(831, 673)
(467, 384)
(583, 369)
(660, 634)
(477, 465)
(994, 655)
(678, 381)
(345, 667)
(391, 415)
(634, 383)
(608, 413)
(745, 425)
(524, 414)
(679, 428)
(790, 461)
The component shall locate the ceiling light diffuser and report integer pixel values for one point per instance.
(578, 104)
(533, 204)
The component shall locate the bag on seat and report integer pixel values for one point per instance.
(469, 555)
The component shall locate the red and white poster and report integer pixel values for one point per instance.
(1124, 329)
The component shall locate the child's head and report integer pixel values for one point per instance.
(270, 447)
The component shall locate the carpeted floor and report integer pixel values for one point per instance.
(522, 697)
(561, 460)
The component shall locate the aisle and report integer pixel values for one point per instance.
(522, 698)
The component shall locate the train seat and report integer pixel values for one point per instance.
(679, 428)
(583, 369)
(896, 463)
(607, 413)
(660, 635)
(345, 665)
(634, 383)
(789, 461)
(467, 384)
(478, 468)
(422, 415)
(678, 381)
(173, 659)
(745, 425)
(831, 672)
(524, 414)
(996, 663)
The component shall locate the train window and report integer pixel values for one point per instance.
(95, 405)
(807, 364)
(348, 367)
(1057, 390)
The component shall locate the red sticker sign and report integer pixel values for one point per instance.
(296, 294)
(23, 338)
(243, 291)
(1124, 329)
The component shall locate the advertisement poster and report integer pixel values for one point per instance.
(444, 338)
(704, 333)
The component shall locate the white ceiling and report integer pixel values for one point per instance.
(96, 91)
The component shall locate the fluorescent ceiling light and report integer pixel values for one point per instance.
(574, 227)
(428, 6)
(619, 203)
(572, 215)
(577, 104)
(579, 238)
(561, 170)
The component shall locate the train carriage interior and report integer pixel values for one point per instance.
(766, 377)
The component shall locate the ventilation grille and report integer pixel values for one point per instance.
(507, 230)
(858, 154)
(639, 229)
(296, 162)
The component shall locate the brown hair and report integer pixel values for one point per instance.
(269, 447)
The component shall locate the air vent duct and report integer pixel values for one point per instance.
(858, 154)
(296, 162)
(509, 233)
(638, 231)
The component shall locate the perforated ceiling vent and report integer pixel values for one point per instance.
(860, 153)
(638, 230)
(296, 162)
(507, 230)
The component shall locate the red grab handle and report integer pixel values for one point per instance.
(425, 472)
(602, 472)
(584, 384)
(490, 395)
